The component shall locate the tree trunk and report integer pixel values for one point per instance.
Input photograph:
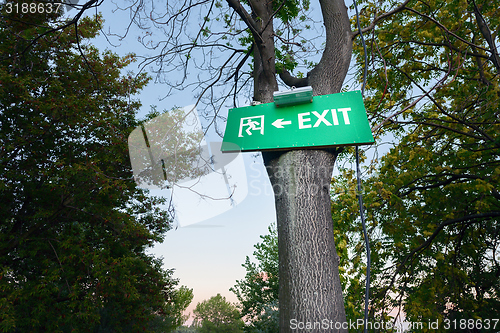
(310, 291)
(310, 294)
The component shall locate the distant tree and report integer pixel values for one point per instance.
(258, 291)
(218, 316)
(185, 329)
(73, 225)
(180, 300)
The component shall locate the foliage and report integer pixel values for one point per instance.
(185, 329)
(349, 243)
(217, 315)
(179, 301)
(433, 202)
(258, 292)
(73, 225)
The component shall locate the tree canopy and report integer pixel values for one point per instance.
(74, 227)
(217, 315)
(432, 202)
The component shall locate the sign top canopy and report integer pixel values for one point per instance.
(294, 96)
(330, 120)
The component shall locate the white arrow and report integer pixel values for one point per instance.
(280, 122)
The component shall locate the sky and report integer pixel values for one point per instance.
(207, 255)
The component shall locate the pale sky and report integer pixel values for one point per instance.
(208, 255)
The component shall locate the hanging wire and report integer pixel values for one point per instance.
(367, 243)
(358, 173)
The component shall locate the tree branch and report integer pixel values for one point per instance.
(293, 81)
(469, 219)
(328, 75)
(245, 16)
(438, 84)
(442, 27)
(444, 182)
(241, 63)
(274, 14)
(381, 17)
(74, 21)
(486, 32)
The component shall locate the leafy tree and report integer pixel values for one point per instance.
(73, 225)
(433, 202)
(178, 303)
(258, 292)
(217, 315)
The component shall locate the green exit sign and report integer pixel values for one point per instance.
(330, 120)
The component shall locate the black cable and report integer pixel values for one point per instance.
(367, 243)
(358, 172)
(365, 72)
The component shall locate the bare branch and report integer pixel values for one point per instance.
(381, 17)
(426, 93)
(245, 16)
(284, 41)
(241, 63)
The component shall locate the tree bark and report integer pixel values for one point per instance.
(264, 54)
(310, 290)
